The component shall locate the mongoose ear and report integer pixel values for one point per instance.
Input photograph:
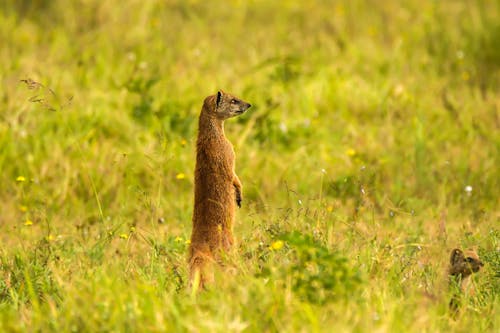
(219, 98)
(456, 256)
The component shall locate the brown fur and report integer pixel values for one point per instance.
(217, 188)
(462, 265)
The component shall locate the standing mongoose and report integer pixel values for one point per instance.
(461, 268)
(217, 189)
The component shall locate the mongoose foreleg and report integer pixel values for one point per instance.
(238, 190)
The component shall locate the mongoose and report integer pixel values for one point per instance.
(217, 188)
(461, 268)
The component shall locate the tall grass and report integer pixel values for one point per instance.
(372, 150)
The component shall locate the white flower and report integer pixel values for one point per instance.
(131, 56)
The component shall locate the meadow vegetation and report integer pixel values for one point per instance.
(372, 150)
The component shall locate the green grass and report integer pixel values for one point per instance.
(370, 119)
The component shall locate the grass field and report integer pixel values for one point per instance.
(371, 151)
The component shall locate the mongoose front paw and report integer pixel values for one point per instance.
(238, 197)
(237, 192)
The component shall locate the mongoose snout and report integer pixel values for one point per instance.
(477, 266)
(243, 107)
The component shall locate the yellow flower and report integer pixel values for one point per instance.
(372, 31)
(28, 222)
(50, 238)
(329, 209)
(339, 10)
(20, 179)
(123, 236)
(350, 152)
(180, 176)
(188, 241)
(178, 239)
(398, 90)
(183, 142)
(23, 208)
(132, 229)
(276, 245)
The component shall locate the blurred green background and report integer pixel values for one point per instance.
(372, 150)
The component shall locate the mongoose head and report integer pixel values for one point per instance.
(464, 264)
(227, 105)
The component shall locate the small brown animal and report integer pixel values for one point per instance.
(461, 268)
(217, 187)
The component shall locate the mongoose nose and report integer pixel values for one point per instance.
(481, 264)
(249, 105)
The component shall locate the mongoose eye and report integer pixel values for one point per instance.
(469, 259)
(234, 101)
